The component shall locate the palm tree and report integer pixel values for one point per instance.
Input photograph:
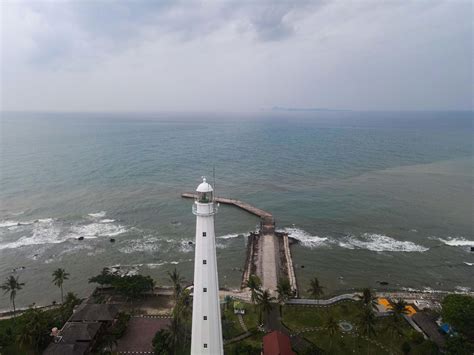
(254, 284)
(366, 323)
(368, 298)
(315, 289)
(176, 279)
(399, 309)
(264, 301)
(59, 276)
(12, 286)
(284, 290)
(332, 329)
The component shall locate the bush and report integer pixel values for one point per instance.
(458, 310)
(417, 338)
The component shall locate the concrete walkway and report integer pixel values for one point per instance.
(269, 255)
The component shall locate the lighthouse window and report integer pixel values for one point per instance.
(205, 317)
(205, 345)
(204, 289)
(204, 262)
(203, 234)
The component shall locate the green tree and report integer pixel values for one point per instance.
(176, 280)
(399, 310)
(332, 329)
(315, 288)
(458, 345)
(458, 311)
(368, 298)
(284, 290)
(12, 286)
(104, 278)
(34, 329)
(255, 285)
(366, 323)
(161, 343)
(264, 302)
(59, 276)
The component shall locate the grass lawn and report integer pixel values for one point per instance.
(230, 323)
(250, 316)
(252, 345)
(299, 317)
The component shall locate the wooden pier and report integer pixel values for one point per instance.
(268, 252)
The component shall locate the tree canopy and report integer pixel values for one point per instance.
(458, 311)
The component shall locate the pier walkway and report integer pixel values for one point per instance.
(268, 252)
(242, 205)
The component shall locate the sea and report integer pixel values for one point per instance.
(374, 199)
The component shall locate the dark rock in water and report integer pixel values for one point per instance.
(80, 238)
(472, 248)
(302, 266)
(190, 243)
(112, 240)
(383, 283)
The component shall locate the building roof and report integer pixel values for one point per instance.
(66, 349)
(78, 331)
(94, 312)
(277, 343)
(428, 324)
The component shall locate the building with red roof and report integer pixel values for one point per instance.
(277, 343)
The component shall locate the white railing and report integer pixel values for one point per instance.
(204, 209)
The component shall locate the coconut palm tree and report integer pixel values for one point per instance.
(176, 279)
(366, 323)
(315, 288)
(332, 329)
(399, 309)
(284, 290)
(59, 276)
(264, 302)
(255, 285)
(368, 298)
(12, 286)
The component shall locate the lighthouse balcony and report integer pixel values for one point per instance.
(204, 209)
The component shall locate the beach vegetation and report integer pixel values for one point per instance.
(131, 287)
(59, 276)
(12, 285)
(458, 311)
(254, 284)
(316, 290)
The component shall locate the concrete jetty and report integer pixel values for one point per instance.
(268, 252)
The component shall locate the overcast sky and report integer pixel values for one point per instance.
(236, 55)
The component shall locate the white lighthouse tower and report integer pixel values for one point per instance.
(206, 328)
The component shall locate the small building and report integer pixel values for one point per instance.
(277, 343)
(66, 349)
(239, 307)
(428, 325)
(95, 313)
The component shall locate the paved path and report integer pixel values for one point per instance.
(269, 269)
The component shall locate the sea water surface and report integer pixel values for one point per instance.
(371, 196)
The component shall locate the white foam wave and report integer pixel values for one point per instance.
(457, 242)
(469, 264)
(147, 244)
(380, 243)
(107, 220)
(46, 232)
(306, 239)
(9, 223)
(95, 230)
(185, 246)
(462, 289)
(100, 214)
(6, 224)
(230, 236)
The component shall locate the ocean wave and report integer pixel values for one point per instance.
(380, 243)
(9, 223)
(95, 230)
(46, 232)
(469, 264)
(185, 246)
(306, 239)
(147, 244)
(230, 236)
(100, 214)
(463, 289)
(107, 220)
(457, 242)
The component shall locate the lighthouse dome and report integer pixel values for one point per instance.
(204, 186)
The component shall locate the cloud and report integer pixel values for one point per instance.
(236, 55)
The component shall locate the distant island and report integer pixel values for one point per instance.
(306, 109)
